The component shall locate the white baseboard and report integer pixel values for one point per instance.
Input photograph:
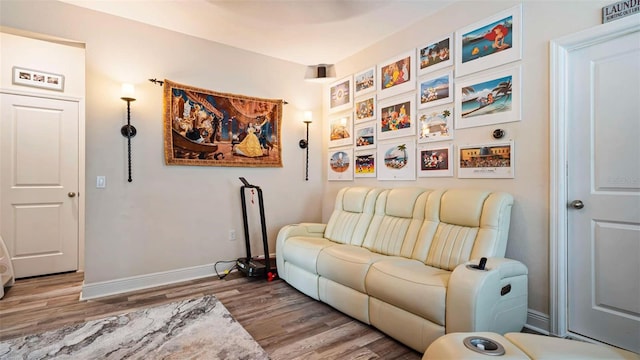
(119, 286)
(537, 322)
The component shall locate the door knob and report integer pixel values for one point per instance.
(71, 194)
(577, 204)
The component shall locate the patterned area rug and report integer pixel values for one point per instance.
(191, 329)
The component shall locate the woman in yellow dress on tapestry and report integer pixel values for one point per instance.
(250, 145)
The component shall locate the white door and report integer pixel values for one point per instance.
(603, 191)
(39, 183)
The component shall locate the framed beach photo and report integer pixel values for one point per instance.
(340, 165)
(340, 130)
(435, 89)
(365, 81)
(365, 164)
(397, 75)
(493, 160)
(435, 124)
(488, 43)
(435, 55)
(488, 98)
(341, 95)
(38, 79)
(396, 117)
(365, 108)
(365, 135)
(397, 159)
(435, 161)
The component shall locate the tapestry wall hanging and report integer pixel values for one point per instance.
(208, 128)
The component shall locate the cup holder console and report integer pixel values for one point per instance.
(483, 345)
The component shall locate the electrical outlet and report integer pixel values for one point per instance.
(232, 235)
(101, 182)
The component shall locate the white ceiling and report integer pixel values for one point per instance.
(308, 32)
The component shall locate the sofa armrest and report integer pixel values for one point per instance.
(302, 229)
(493, 299)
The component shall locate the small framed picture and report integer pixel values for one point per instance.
(396, 117)
(365, 81)
(435, 124)
(340, 164)
(365, 135)
(365, 108)
(365, 164)
(435, 89)
(37, 78)
(341, 95)
(493, 160)
(397, 159)
(435, 161)
(488, 43)
(340, 130)
(435, 55)
(397, 75)
(488, 98)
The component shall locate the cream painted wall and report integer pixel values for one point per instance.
(127, 224)
(173, 217)
(542, 22)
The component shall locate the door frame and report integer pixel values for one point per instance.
(81, 162)
(558, 159)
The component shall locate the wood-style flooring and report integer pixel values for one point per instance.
(285, 322)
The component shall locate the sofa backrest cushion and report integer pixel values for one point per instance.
(394, 228)
(464, 224)
(351, 215)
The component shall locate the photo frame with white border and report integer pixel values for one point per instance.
(37, 78)
(490, 97)
(340, 164)
(365, 135)
(365, 82)
(435, 124)
(397, 159)
(340, 130)
(435, 161)
(396, 117)
(435, 55)
(490, 160)
(397, 75)
(435, 89)
(365, 164)
(365, 108)
(484, 44)
(341, 95)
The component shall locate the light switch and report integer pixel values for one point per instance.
(101, 182)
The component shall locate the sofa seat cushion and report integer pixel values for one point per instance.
(547, 347)
(347, 265)
(303, 251)
(410, 285)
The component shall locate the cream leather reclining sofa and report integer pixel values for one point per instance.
(397, 259)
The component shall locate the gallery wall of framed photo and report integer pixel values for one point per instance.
(396, 120)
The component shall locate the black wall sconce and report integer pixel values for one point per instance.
(304, 143)
(128, 130)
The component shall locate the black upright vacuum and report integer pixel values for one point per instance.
(250, 266)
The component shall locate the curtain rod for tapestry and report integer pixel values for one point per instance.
(160, 82)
